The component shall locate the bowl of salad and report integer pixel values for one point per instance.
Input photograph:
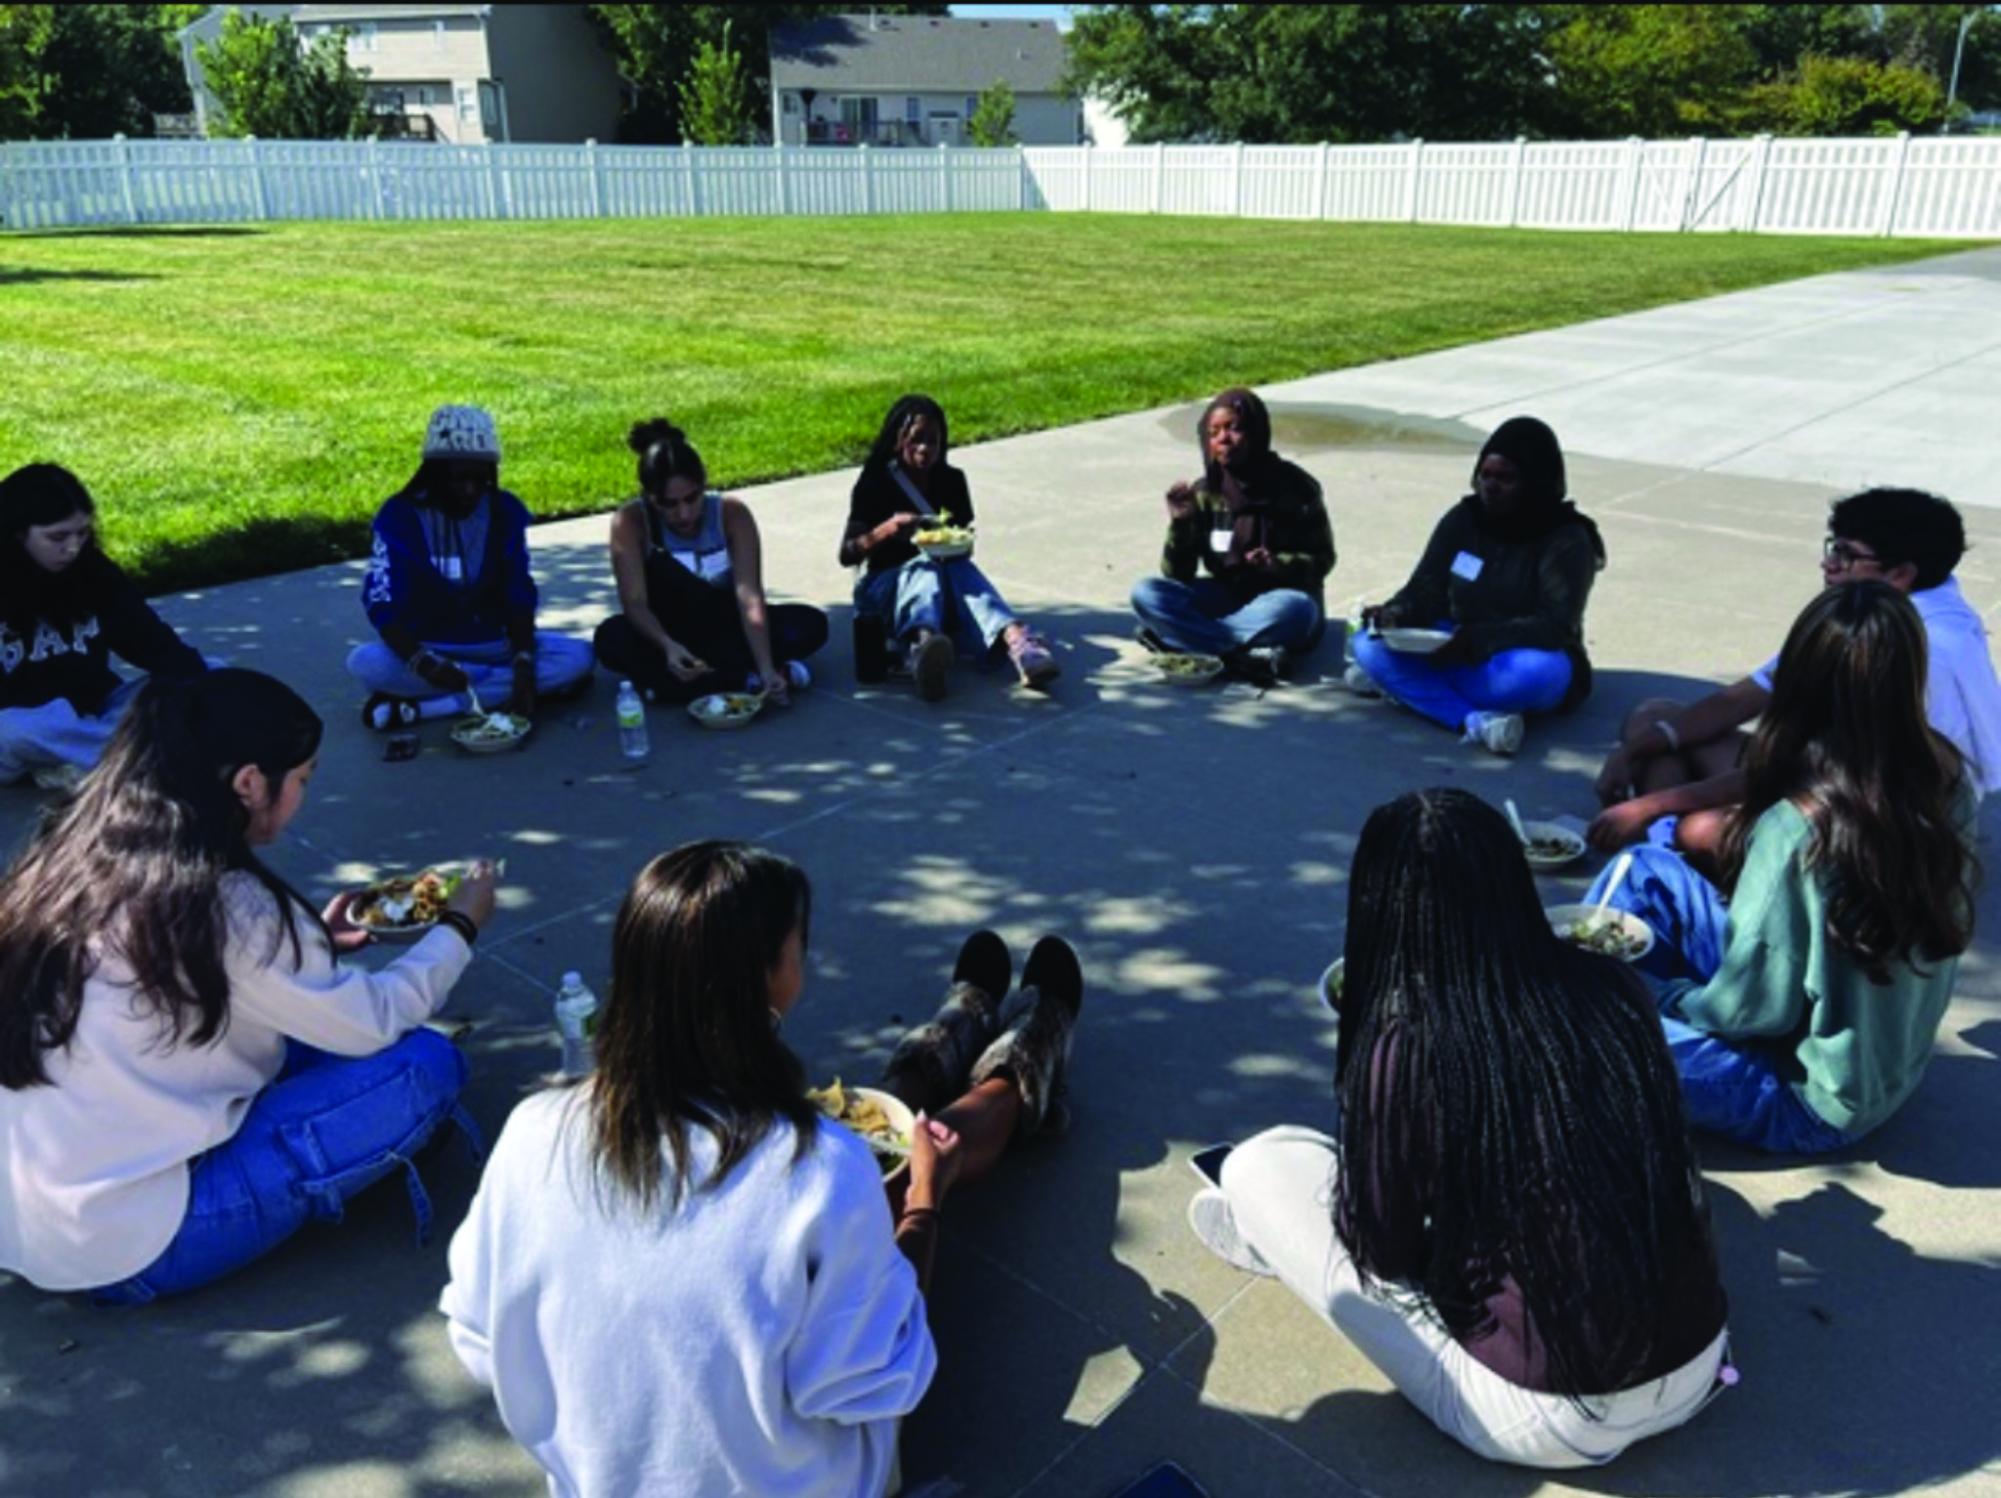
(1549, 846)
(884, 1121)
(942, 541)
(405, 907)
(1616, 933)
(726, 709)
(1187, 670)
(491, 733)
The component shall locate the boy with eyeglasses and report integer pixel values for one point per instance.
(1675, 776)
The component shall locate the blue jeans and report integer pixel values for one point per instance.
(1509, 681)
(1730, 1089)
(328, 1127)
(560, 662)
(1205, 618)
(949, 598)
(55, 733)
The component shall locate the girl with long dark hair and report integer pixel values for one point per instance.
(65, 609)
(926, 607)
(1802, 1012)
(690, 570)
(187, 1072)
(1509, 1220)
(1258, 526)
(1507, 571)
(449, 591)
(677, 1266)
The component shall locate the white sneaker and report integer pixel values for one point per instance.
(1497, 733)
(1358, 681)
(1212, 1221)
(798, 675)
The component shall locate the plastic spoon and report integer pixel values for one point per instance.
(1619, 871)
(1515, 821)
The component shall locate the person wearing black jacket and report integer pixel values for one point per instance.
(922, 604)
(65, 609)
(1259, 527)
(1508, 571)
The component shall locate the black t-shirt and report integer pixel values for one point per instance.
(877, 496)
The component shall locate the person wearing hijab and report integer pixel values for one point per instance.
(1257, 525)
(1508, 571)
(449, 591)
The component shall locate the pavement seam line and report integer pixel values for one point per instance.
(1271, 1435)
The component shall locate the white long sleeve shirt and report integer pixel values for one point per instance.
(96, 1179)
(1962, 695)
(760, 1337)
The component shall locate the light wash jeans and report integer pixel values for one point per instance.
(1732, 1090)
(560, 662)
(1280, 1184)
(55, 733)
(1509, 681)
(1204, 617)
(949, 598)
(325, 1129)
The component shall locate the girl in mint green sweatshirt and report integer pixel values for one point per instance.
(1801, 1015)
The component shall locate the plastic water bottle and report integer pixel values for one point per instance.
(631, 723)
(576, 1022)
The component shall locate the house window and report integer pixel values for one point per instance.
(791, 103)
(468, 104)
(913, 109)
(437, 36)
(972, 105)
(364, 37)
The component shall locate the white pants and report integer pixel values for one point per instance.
(1280, 1186)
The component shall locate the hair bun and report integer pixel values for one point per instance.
(645, 434)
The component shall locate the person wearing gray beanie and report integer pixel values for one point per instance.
(449, 591)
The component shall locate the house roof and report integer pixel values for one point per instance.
(920, 54)
(336, 13)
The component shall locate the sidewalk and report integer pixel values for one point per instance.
(1195, 846)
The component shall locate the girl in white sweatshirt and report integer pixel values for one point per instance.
(187, 1072)
(677, 1277)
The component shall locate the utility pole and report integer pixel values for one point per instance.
(1958, 55)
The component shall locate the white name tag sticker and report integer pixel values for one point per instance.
(1220, 538)
(1468, 566)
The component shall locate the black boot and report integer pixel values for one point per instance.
(929, 1067)
(1035, 1050)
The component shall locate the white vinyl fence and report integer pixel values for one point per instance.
(1901, 185)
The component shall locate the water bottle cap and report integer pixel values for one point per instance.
(573, 980)
(625, 686)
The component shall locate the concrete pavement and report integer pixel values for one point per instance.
(1195, 846)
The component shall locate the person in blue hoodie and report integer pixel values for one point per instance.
(449, 591)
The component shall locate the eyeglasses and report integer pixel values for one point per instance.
(1846, 554)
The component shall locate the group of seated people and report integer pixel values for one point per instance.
(1504, 1213)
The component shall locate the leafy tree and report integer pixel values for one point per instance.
(24, 33)
(1652, 70)
(111, 68)
(992, 123)
(1849, 96)
(656, 46)
(271, 85)
(1314, 72)
(714, 110)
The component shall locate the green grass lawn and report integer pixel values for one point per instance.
(240, 400)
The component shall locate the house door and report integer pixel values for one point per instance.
(945, 129)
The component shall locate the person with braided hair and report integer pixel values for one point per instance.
(1508, 1219)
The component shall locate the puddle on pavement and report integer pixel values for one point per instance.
(1317, 426)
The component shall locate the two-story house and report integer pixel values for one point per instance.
(893, 80)
(459, 73)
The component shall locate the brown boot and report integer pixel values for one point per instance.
(929, 1067)
(1034, 1052)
